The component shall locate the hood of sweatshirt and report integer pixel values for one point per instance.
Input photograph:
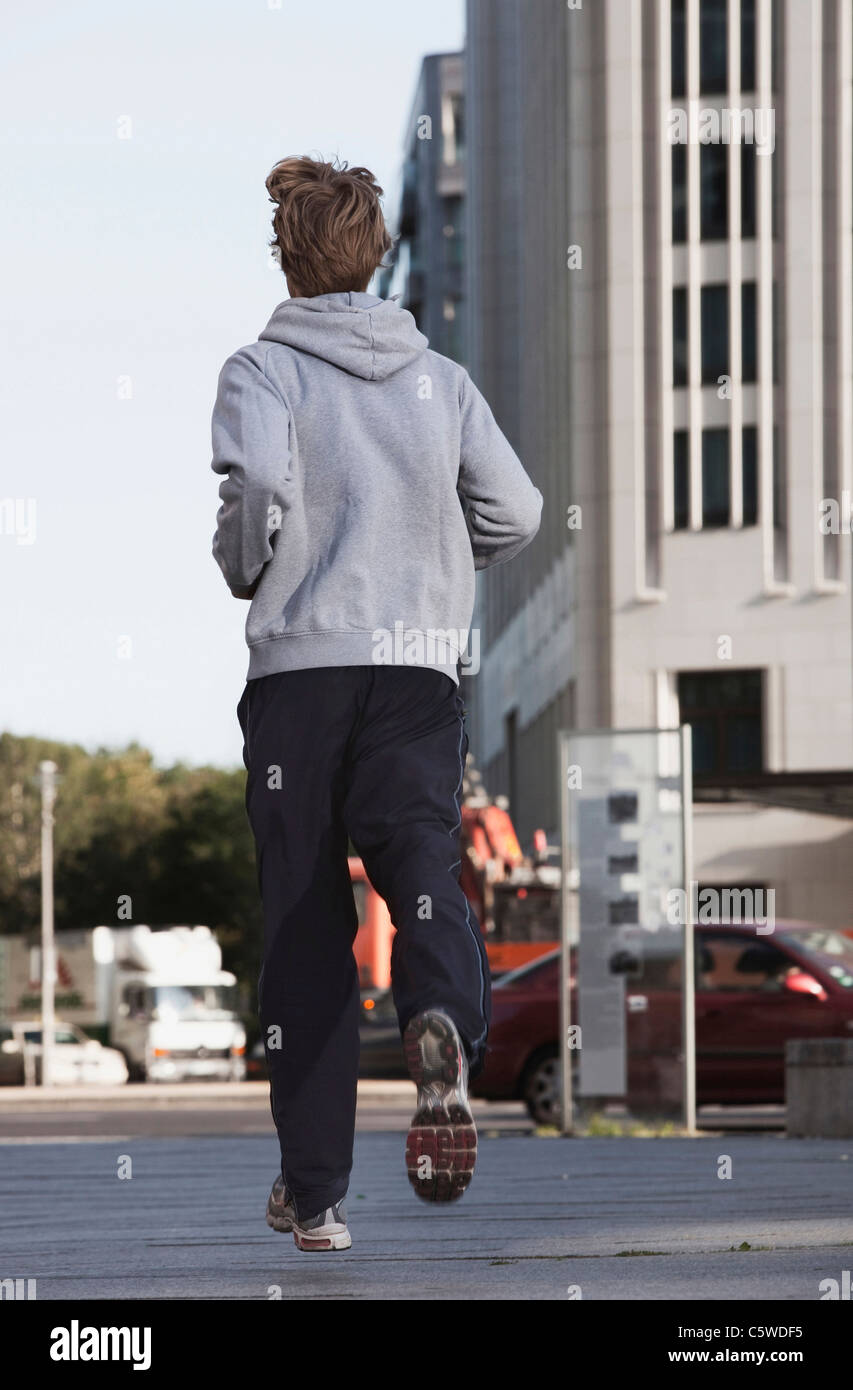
(360, 333)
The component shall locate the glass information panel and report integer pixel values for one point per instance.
(628, 1018)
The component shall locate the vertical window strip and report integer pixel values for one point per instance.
(766, 16)
(694, 275)
(666, 237)
(735, 261)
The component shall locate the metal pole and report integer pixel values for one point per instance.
(48, 953)
(565, 941)
(688, 1022)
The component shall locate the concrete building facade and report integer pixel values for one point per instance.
(660, 311)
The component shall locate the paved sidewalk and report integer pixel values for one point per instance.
(620, 1218)
(182, 1094)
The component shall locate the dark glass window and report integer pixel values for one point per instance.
(749, 330)
(511, 741)
(715, 332)
(454, 231)
(780, 489)
(678, 40)
(724, 709)
(747, 45)
(740, 964)
(679, 336)
(457, 104)
(749, 473)
(716, 493)
(714, 192)
(747, 191)
(679, 193)
(713, 47)
(681, 478)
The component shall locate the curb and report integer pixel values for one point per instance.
(179, 1094)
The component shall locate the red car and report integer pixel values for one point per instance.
(753, 993)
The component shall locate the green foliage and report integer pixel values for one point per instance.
(175, 840)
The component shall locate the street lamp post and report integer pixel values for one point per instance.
(48, 950)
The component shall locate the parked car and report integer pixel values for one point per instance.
(381, 1056)
(753, 993)
(256, 1062)
(76, 1058)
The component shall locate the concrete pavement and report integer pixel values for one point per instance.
(203, 1108)
(613, 1218)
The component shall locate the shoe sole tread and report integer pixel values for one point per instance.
(442, 1130)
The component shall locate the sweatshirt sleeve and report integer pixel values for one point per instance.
(501, 505)
(250, 437)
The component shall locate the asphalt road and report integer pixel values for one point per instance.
(227, 1110)
(186, 1110)
(614, 1218)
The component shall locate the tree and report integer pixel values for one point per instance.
(175, 842)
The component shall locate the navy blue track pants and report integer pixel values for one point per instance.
(376, 753)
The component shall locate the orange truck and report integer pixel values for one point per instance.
(516, 899)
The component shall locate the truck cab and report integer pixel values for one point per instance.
(174, 1010)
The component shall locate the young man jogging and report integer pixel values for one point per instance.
(364, 481)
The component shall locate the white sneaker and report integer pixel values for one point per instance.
(326, 1231)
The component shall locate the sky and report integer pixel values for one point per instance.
(134, 144)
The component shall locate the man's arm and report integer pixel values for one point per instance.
(249, 434)
(502, 507)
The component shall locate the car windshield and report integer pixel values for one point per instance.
(192, 1001)
(829, 950)
(61, 1035)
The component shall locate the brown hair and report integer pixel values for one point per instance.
(329, 227)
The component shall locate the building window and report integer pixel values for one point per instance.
(715, 332)
(453, 128)
(452, 335)
(681, 479)
(714, 192)
(780, 489)
(453, 231)
(679, 193)
(747, 191)
(713, 46)
(679, 336)
(749, 330)
(747, 45)
(749, 475)
(724, 709)
(716, 491)
(678, 42)
(511, 744)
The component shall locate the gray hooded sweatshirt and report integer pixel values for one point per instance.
(364, 481)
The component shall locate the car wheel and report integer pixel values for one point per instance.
(541, 1088)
